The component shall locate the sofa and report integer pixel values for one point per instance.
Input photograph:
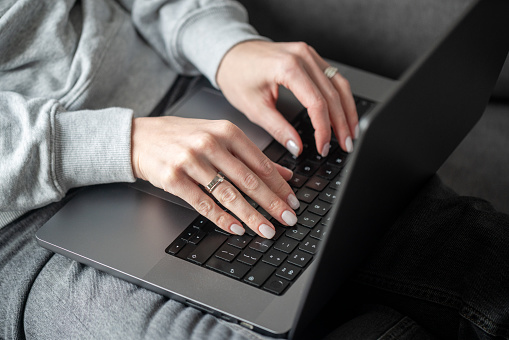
(385, 37)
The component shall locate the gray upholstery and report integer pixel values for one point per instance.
(385, 37)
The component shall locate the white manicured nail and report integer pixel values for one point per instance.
(293, 202)
(325, 149)
(267, 231)
(289, 217)
(237, 229)
(293, 148)
(349, 144)
(356, 132)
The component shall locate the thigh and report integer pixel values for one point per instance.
(445, 263)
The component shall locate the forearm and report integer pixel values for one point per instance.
(45, 150)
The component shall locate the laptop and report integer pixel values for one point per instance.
(408, 128)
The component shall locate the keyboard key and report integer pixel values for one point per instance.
(328, 195)
(363, 106)
(319, 207)
(338, 158)
(276, 285)
(319, 232)
(274, 257)
(261, 244)
(264, 213)
(288, 271)
(286, 244)
(239, 241)
(259, 274)
(175, 246)
(234, 269)
(335, 183)
(197, 237)
(301, 209)
(184, 252)
(309, 245)
(306, 195)
(328, 171)
(200, 222)
(317, 183)
(307, 168)
(274, 151)
(206, 248)
(308, 219)
(297, 232)
(249, 256)
(300, 258)
(297, 180)
(188, 233)
(227, 252)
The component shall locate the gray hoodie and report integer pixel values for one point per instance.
(74, 73)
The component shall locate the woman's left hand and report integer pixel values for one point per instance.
(250, 75)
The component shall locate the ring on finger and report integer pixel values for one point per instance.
(330, 71)
(215, 182)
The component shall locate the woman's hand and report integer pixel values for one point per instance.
(179, 154)
(249, 76)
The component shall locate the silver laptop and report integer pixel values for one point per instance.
(408, 128)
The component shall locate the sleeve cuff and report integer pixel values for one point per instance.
(92, 147)
(207, 36)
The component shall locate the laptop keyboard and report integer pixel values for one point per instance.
(272, 265)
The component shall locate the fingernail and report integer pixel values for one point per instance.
(293, 148)
(293, 202)
(237, 229)
(349, 144)
(289, 217)
(266, 231)
(325, 149)
(356, 132)
(289, 170)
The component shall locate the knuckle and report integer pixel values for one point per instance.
(251, 219)
(319, 105)
(266, 167)
(301, 47)
(204, 207)
(274, 205)
(206, 142)
(343, 83)
(221, 220)
(227, 128)
(250, 182)
(227, 194)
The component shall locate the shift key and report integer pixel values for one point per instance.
(206, 248)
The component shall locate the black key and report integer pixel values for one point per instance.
(297, 232)
(276, 285)
(287, 164)
(184, 252)
(234, 269)
(363, 106)
(221, 231)
(297, 181)
(309, 245)
(250, 231)
(280, 229)
(200, 222)
(197, 237)
(307, 168)
(317, 183)
(286, 244)
(319, 207)
(261, 244)
(206, 248)
(308, 219)
(274, 257)
(175, 246)
(328, 195)
(335, 183)
(239, 241)
(319, 232)
(251, 202)
(300, 258)
(274, 151)
(326, 220)
(249, 256)
(259, 274)
(227, 252)
(288, 271)
(301, 209)
(188, 233)
(264, 213)
(338, 158)
(307, 195)
(328, 171)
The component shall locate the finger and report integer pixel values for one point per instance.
(189, 191)
(345, 92)
(286, 173)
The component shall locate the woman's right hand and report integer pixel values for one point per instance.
(180, 154)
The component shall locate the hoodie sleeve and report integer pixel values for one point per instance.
(192, 36)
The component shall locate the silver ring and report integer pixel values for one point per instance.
(215, 182)
(330, 71)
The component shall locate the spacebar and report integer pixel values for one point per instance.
(206, 248)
